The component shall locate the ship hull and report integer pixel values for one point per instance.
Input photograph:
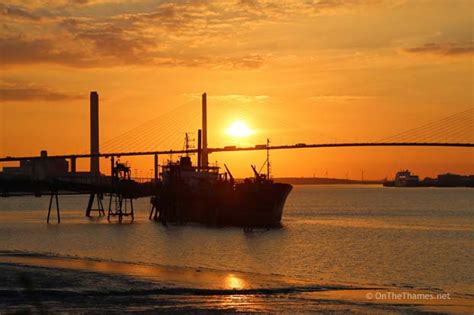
(244, 205)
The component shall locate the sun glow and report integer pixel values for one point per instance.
(239, 129)
(234, 282)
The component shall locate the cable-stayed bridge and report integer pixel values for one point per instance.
(252, 148)
(160, 136)
(164, 134)
(167, 131)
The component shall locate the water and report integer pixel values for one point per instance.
(359, 235)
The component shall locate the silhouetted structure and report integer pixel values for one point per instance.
(39, 169)
(204, 153)
(201, 194)
(455, 180)
(406, 179)
(94, 133)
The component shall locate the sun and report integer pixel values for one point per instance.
(239, 129)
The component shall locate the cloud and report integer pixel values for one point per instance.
(444, 49)
(253, 61)
(240, 62)
(16, 12)
(340, 98)
(161, 34)
(19, 50)
(115, 47)
(241, 98)
(29, 92)
(112, 49)
(332, 6)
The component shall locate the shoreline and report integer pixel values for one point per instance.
(38, 282)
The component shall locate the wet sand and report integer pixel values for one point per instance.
(36, 282)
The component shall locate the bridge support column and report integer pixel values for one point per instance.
(155, 168)
(100, 206)
(154, 209)
(199, 149)
(54, 195)
(73, 166)
(120, 208)
(112, 162)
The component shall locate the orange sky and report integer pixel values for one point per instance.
(294, 71)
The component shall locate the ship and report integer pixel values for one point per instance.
(403, 178)
(203, 194)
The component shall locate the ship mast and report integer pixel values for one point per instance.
(268, 158)
(187, 143)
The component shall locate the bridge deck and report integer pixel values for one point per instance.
(254, 148)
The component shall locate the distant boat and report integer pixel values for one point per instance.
(403, 178)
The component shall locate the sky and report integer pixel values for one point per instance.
(293, 71)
